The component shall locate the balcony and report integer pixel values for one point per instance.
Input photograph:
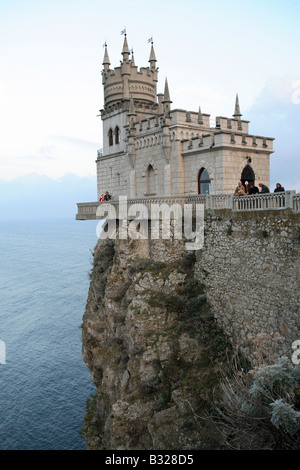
(259, 202)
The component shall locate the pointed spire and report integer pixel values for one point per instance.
(152, 58)
(106, 61)
(166, 100)
(237, 112)
(132, 58)
(125, 51)
(200, 116)
(166, 93)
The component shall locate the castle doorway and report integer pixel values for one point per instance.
(248, 175)
(203, 182)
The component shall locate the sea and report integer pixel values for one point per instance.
(44, 383)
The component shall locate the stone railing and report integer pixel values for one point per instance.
(270, 201)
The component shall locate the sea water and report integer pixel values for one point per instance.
(44, 383)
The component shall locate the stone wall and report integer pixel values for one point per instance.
(250, 266)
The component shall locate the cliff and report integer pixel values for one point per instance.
(153, 330)
(141, 341)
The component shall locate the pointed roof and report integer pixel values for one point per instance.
(200, 116)
(152, 57)
(125, 46)
(132, 58)
(106, 58)
(237, 112)
(166, 93)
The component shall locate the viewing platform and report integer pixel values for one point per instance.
(270, 201)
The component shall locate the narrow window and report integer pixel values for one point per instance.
(151, 184)
(203, 182)
(117, 135)
(110, 137)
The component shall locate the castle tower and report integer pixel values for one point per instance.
(130, 95)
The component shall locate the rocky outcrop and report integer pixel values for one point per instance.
(158, 318)
(152, 346)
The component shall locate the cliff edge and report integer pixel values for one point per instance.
(152, 346)
(161, 323)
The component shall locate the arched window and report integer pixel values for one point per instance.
(248, 175)
(203, 182)
(151, 186)
(110, 137)
(117, 135)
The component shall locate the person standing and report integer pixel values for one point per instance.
(253, 189)
(279, 188)
(107, 196)
(264, 188)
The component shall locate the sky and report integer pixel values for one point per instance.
(51, 57)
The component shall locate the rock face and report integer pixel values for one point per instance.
(153, 330)
(152, 368)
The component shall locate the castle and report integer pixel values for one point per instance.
(150, 149)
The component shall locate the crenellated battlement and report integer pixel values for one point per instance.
(228, 139)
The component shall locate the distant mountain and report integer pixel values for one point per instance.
(39, 197)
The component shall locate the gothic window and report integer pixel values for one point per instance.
(117, 135)
(151, 189)
(110, 137)
(203, 182)
(248, 175)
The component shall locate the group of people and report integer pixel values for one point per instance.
(249, 189)
(105, 197)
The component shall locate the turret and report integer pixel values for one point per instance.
(125, 69)
(125, 51)
(106, 62)
(200, 116)
(152, 61)
(152, 58)
(125, 80)
(166, 101)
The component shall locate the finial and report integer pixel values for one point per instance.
(237, 112)
(166, 93)
(200, 116)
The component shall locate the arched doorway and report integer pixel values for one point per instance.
(203, 182)
(248, 175)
